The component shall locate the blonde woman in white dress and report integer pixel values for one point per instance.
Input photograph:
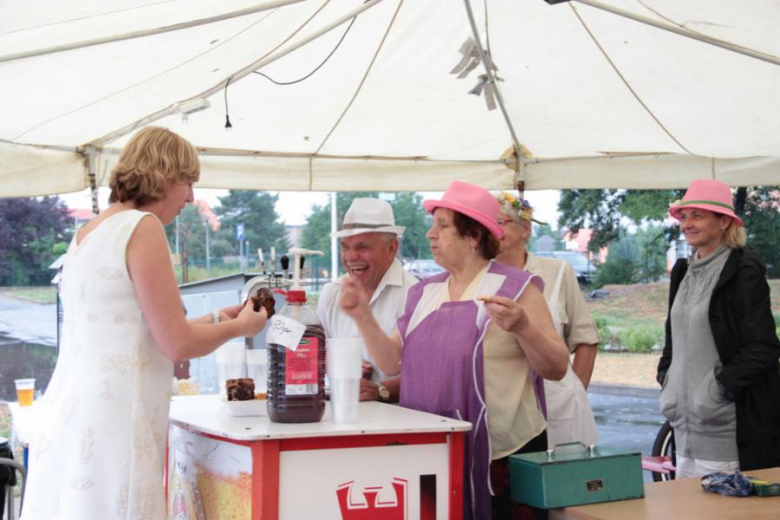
(99, 448)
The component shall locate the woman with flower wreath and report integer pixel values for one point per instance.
(569, 414)
(719, 368)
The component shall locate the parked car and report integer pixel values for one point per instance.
(583, 267)
(423, 268)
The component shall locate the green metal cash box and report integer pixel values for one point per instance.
(573, 474)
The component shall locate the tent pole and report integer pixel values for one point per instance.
(491, 77)
(89, 153)
(683, 32)
(265, 6)
(334, 257)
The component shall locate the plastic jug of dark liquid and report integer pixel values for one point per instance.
(296, 379)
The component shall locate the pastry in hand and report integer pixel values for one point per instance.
(264, 298)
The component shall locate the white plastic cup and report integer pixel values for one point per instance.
(344, 357)
(257, 369)
(25, 391)
(231, 362)
(344, 399)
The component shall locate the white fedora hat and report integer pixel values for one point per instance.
(367, 215)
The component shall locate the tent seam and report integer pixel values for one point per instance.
(101, 140)
(625, 81)
(363, 80)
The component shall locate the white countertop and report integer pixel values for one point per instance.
(205, 414)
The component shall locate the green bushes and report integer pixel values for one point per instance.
(641, 338)
(626, 334)
(777, 323)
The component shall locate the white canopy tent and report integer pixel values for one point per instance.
(594, 99)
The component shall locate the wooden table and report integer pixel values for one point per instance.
(684, 499)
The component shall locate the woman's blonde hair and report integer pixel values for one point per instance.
(734, 237)
(154, 159)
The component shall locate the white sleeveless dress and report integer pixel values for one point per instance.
(99, 448)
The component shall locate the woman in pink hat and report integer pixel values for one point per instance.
(719, 369)
(473, 341)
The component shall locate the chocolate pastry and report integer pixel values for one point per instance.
(264, 298)
(240, 389)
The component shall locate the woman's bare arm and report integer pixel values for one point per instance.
(155, 286)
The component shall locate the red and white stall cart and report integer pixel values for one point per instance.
(394, 464)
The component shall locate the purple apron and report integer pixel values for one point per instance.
(442, 372)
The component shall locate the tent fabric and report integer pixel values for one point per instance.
(597, 100)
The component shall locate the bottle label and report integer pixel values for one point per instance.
(301, 377)
(284, 331)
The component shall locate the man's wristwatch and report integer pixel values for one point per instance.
(214, 316)
(384, 393)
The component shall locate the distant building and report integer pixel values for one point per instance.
(578, 242)
(544, 243)
(294, 235)
(80, 216)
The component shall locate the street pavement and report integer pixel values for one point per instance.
(28, 322)
(627, 422)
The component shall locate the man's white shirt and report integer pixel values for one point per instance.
(387, 305)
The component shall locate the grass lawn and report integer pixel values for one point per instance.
(46, 294)
(642, 309)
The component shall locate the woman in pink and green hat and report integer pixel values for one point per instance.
(719, 368)
(474, 342)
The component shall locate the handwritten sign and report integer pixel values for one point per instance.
(285, 331)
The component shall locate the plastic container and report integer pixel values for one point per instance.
(231, 362)
(296, 379)
(257, 370)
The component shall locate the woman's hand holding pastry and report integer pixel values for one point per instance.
(506, 313)
(251, 321)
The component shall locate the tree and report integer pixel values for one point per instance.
(192, 239)
(409, 212)
(543, 230)
(608, 211)
(257, 211)
(30, 230)
(761, 216)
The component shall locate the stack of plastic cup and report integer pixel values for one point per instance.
(231, 362)
(344, 372)
(257, 369)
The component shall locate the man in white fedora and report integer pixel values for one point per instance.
(369, 243)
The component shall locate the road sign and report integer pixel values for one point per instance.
(240, 231)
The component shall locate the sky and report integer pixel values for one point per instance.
(294, 206)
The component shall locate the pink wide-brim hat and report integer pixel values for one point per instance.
(472, 201)
(712, 196)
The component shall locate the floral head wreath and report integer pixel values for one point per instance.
(516, 206)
